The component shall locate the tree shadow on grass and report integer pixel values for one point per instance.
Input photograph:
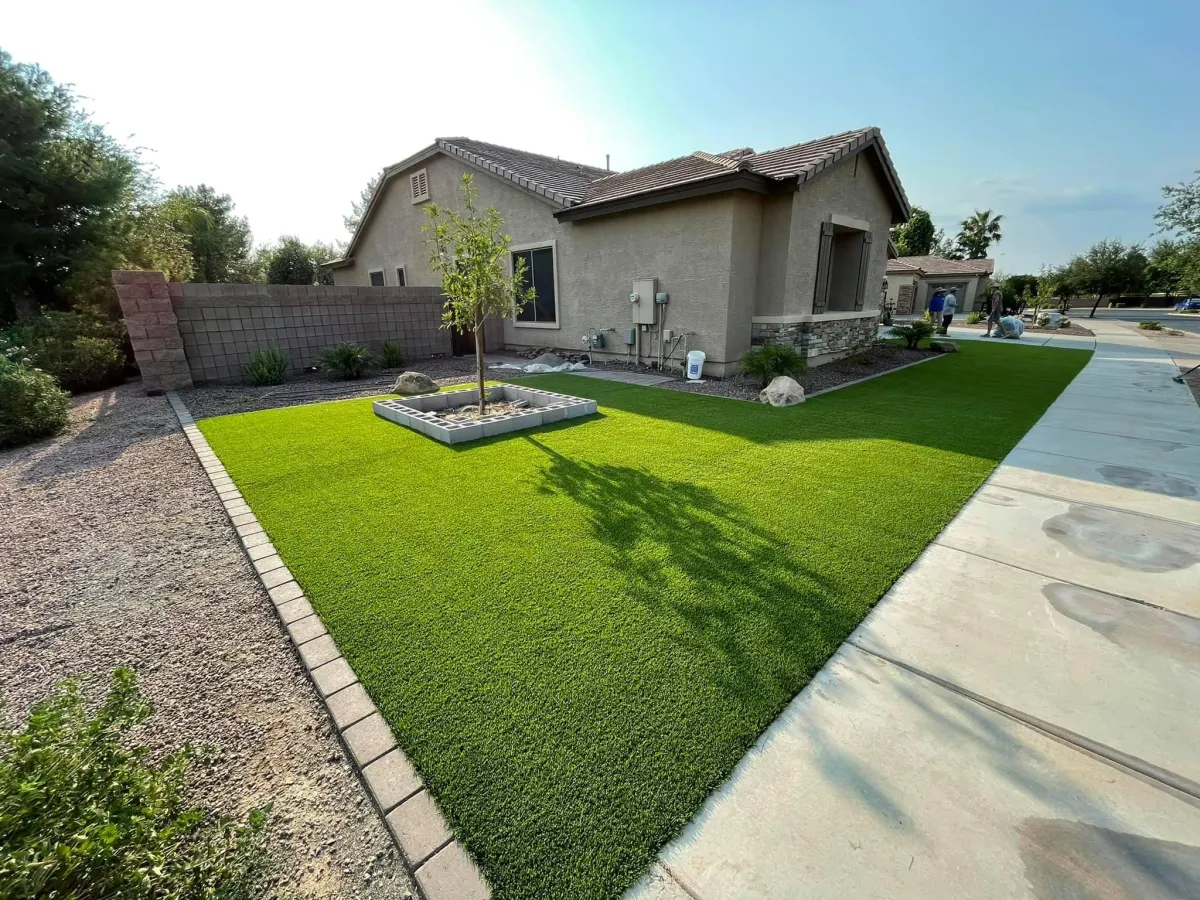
(727, 589)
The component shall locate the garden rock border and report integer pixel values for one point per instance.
(440, 865)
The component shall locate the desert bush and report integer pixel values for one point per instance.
(1151, 325)
(390, 355)
(85, 353)
(84, 813)
(974, 317)
(772, 360)
(346, 360)
(32, 405)
(913, 333)
(268, 367)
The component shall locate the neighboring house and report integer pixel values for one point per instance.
(721, 250)
(911, 281)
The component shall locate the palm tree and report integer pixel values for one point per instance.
(979, 232)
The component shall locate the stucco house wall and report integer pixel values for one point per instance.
(739, 267)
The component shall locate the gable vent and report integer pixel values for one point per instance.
(419, 186)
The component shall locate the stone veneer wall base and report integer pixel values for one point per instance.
(439, 865)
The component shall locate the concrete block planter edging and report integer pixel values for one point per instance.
(438, 863)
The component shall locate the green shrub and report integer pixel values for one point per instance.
(268, 367)
(32, 405)
(772, 360)
(347, 360)
(1150, 326)
(84, 814)
(913, 333)
(84, 353)
(390, 355)
(974, 318)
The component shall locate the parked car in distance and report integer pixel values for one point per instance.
(1191, 304)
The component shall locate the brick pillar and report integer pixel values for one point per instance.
(153, 330)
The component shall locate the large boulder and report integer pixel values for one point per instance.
(782, 391)
(943, 346)
(414, 383)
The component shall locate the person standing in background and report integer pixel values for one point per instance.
(936, 302)
(997, 310)
(949, 307)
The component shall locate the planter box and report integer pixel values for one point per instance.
(420, 412)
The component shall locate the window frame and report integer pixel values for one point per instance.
(382, 277)
(401, 276)
(418, 175)
(552, 246)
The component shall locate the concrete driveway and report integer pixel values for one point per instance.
(1018, 716)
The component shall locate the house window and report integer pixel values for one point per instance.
(418, 185)
(400, 276)
(376, 277)
(843, 263)
(539, 273)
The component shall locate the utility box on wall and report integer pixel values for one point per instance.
(644, 309)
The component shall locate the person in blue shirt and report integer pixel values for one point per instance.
(936, 303)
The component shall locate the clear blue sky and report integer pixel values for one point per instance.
(1066, 117)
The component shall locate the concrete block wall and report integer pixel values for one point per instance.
(153, 327)
(194, 333)
(224, 325)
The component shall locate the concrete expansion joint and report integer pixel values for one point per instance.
(1000, 562)
(1091, 503)
(1160, 776)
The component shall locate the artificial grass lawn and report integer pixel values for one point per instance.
(576, 632)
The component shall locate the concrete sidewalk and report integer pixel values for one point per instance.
(1017, 718)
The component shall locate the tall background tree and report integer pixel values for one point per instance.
(978, 233)
(1109, 268)
(63, 184)
(944, 247)
(218, 240)
(914, 237)
(295, 262)
(1181, 212)
(359, 207)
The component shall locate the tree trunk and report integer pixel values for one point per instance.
(1099, 297)
(479, 362)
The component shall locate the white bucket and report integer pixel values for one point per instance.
(695, 364)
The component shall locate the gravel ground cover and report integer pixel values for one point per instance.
(1077, 330)
(114, 550)
(883, 357)
(222, 399)
(576, 632)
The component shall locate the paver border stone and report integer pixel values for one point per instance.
(388, 776)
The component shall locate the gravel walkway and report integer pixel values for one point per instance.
(114, 550)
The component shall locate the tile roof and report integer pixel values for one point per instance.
(935, 265)
(559, 179)
(799, 161)
(903, 267)
(572, 185)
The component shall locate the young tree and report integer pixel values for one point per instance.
(1181, 212)
(1109, 267)
(62, 183)
(468, 250)
(914, 237)
(218, 240)
(358, 208)
(978, 233)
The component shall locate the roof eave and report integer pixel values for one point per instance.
(712, 184)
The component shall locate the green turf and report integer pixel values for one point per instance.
(576, 632)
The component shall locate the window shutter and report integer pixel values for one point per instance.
(415, 182)
(824, 267)
(424, 183)
(864, 268)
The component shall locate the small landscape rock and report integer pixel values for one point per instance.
(414, 383)
(782, 391)
(943, 346)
